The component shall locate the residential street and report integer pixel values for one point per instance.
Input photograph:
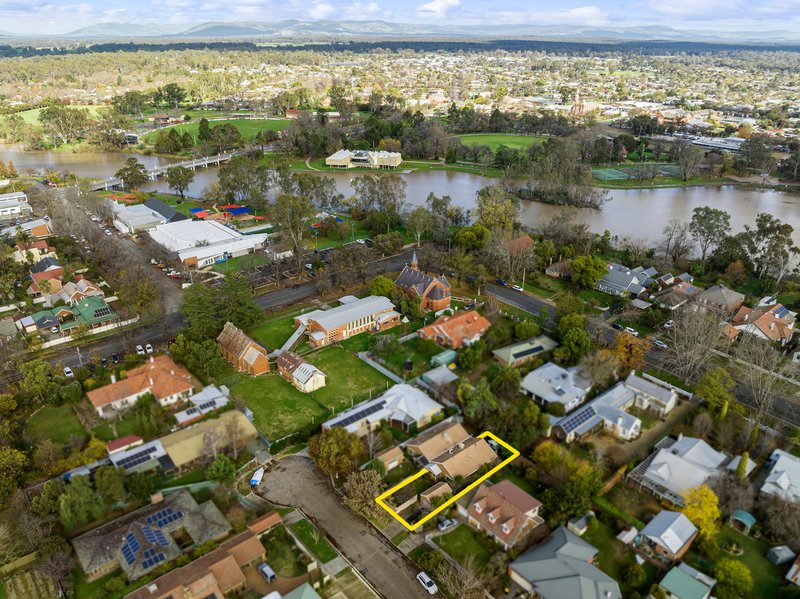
(297, 482)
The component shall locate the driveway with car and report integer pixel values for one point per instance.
(296, 481)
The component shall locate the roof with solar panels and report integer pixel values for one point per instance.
(143, 540)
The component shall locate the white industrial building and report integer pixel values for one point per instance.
(201, 243)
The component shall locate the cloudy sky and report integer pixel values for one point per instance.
(60, 16)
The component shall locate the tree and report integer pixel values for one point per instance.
(207, 309)
(496, 209)
(141, 486)
(180, 178)
(465, 582)
(12, 466)
(361, 488)
(733, 494)
(734, 579)
(588, 270)
(694, 339)
(46, 502)
(782, 521)
(79, 504)
(292, 214)
(761, 369)
(381, 285)
(715, 387)
(110, 484)
(225, 137)
(382, 198)
(635, 576)
(630, 352)
(171, 93)
(335, 451)
(133, 174)
(419, 222)
(756, 155)
(701, 507)
(221, 469)
(204, 131)
(676, 243)
(741, 467)
(63, 123)
(709, 226)
(688, 157)
(770, 246)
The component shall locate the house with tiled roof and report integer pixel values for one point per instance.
(462, 460)
(160, 376)
(123, 443)
(32, 252)
(219, 573)
(503, 511)
(242, 352)
(434, 292)
(675, 296)
(140, 541)
(720, 299)
(559, 270)
(436, 440)
(460, 329)
(769, 320)
(72, 292)
(37, 229)
(619, 280)
(46, 268)
(304, 376)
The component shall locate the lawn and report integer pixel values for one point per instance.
(545, 286)
(767, 578)
(463, 543)
(240, 263)
(31, 117)
(57, 423)
(314, 541)
(283, 555)
(495, 140)
(123, 426)
(274, 333)
(602, 299)
(280, 409)
(247, 127)
(417, 350)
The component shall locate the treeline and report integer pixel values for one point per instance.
(545, 122)
(7, 51)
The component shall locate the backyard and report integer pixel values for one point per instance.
(280, 409)
(283, 555)
(57, 423)
(274, 333)
(463, 543)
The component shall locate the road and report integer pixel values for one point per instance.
(296, 481)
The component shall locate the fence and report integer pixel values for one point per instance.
(663, 383)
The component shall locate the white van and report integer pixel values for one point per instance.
(267, 572)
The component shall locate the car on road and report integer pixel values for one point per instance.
(115, 358)
(148, 348)
(68, 372)
(54, 330)
(618, 326)
(669, 324)
(632, 331)
(427, 583)
(447, 524)
(660, 344)
(502, 282)
(103, 362)
(267, 572)
(516, 288)
(140, 350)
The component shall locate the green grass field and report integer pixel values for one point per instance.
(314, 541)
(495, 140)
(31, 117)
(273, 334)
(57, 423)
(462, 543)
(280, 409)
(247, 127)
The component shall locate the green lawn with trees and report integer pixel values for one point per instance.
(314, 541)
(495, 140)
(247, 127)
(57, 423)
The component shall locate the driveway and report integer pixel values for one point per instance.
(296, 481)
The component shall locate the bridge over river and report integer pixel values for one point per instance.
(155, 173)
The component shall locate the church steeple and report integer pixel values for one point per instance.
(414, 263)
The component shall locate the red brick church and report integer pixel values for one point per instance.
(434, 292)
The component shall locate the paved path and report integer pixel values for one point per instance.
(296, 481)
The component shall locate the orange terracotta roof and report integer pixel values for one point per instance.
(462, 325)
(160, 375)
(767, 320)
(265, 522)
(504, 510)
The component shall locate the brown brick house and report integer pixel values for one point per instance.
(434, 292)
(304, 376)
(242, 352)
(354, 316)
(463, 328)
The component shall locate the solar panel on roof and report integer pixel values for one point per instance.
(105, 311)
(361, 414)
(527, 352)
(128, 554)
(133, 542)
(206, 405)
(781, 312)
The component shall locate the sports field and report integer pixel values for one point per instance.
(247, 127)
(495, 140)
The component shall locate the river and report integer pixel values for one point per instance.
(633, 212)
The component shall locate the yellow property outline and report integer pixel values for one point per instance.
(452, 500)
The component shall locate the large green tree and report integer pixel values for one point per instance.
(207, 310)
(180, 178)
(588, 270)
(335, 451)
(110, 483)
(79, 503)
(709, 227)
(496, 209)
(734, 579)
(292, 214)
(716, 388)
(133, 174)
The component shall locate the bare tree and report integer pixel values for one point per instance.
(373, 441)
(761, 369)
(12, 545)
(233, 429)
(211, 441)
(677, 241)
(694, 338)
(465, 582)
(733, 494)
(702, 424)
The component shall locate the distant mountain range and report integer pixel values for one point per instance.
(294, 29)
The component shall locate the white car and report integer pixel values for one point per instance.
(669, 324)
(516, 288)
(426, 582)
(446, 525)
(631, 331)
(140, 350)
(660, 344)
(54, 330)
(148, 348)
(68, 372)
(361, 241)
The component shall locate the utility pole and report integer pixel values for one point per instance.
(80, 357)
(523, 279)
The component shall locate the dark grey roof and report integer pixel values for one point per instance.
(164, 210)
(411, 278)
(43, 264)
(560, 569)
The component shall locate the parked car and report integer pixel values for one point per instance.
(361, 241)
(115, 358)
(516, 288)
(427, 583)
(447, 524)
(660, 344)
(54, 330)
(669, 324)
(267, 572)
(618, 326)
(140, 350)
(104, 362)
(148, 348)
(502, 282)
(68, 372)
(632, 331)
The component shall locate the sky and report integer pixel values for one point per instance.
(51, 17)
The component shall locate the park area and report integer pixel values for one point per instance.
(247, 127)
(495, 140)
(279, 409)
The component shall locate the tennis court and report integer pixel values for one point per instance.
(610, 174)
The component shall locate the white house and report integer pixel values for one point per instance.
(14, 204)
(783, 479)
(550, 384)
